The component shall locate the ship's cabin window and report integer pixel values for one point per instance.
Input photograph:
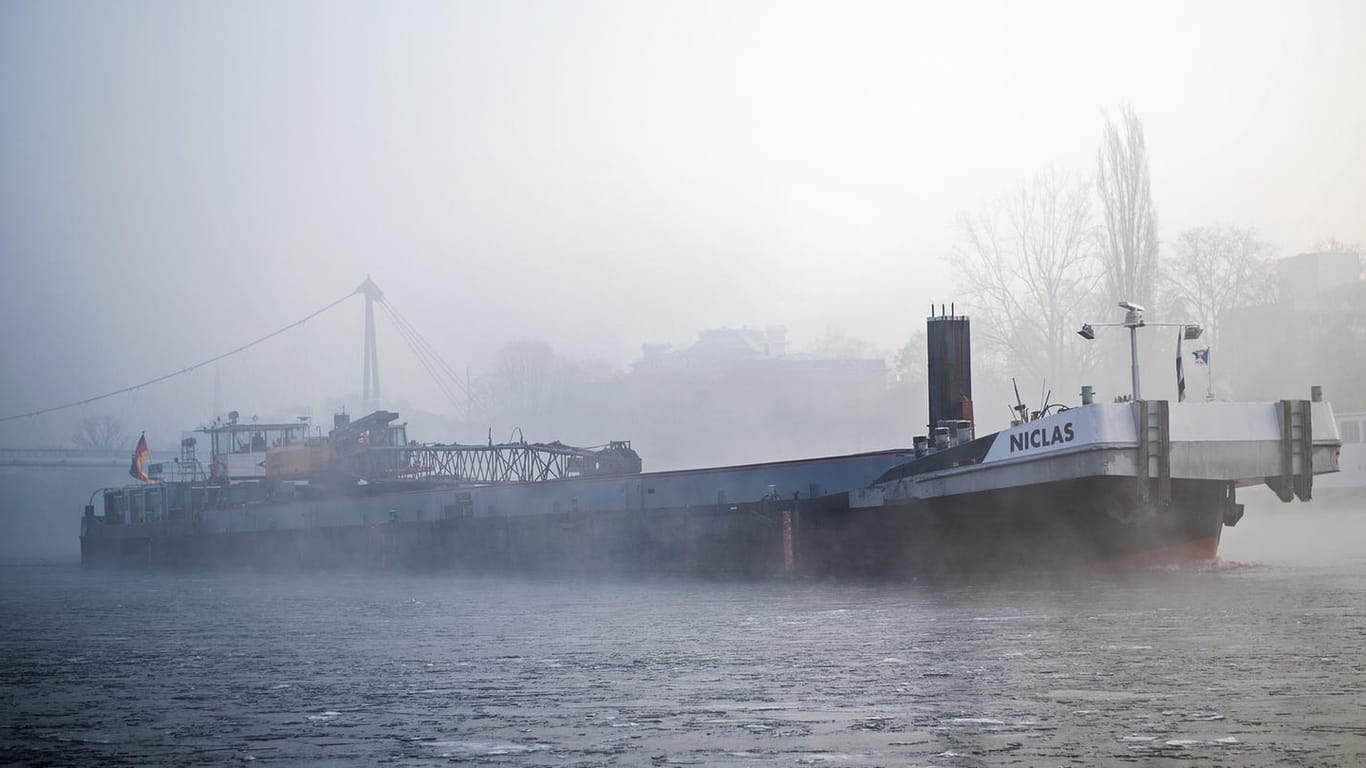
(256, 438)
(384, 436)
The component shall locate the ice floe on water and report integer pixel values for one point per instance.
(1156, 742)
(486, 748)
(1076, 694)
(812, 758)
(975, 721)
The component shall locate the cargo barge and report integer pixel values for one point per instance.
(1134, 482)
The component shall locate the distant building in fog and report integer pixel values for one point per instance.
(1309, 280)
(747, 360)
(1315, 333)
(717, 346)
(739, 394)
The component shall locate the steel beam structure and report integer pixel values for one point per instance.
(503, 463)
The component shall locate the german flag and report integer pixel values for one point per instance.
(140, 456)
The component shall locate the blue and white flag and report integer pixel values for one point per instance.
(1201, 356)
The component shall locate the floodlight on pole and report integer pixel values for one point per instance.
(1133, 320)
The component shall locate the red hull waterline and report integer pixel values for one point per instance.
(1172, 554)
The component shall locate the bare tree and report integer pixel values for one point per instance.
(98, 433)
(838, 345)
(1217, 269)
(1031, 269)
(1126, 200)
(1334, 245)
(523, 384)
(536, 389)
(910, 362)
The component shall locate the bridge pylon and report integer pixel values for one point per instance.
(370, 387)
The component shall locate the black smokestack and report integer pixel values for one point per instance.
(950, 367)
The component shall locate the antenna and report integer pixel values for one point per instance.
(1020, 408)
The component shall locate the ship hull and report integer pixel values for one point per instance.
(1087, 522)
(1076, 523)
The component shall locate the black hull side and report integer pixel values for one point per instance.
(1084, 522)
(742, 540)
(1088, 521)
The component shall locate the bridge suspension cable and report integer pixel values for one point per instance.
(173, 374)
(428, 357)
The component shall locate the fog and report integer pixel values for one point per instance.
(176, 180)
(41, 511)
(715, 230)
(1326, 533)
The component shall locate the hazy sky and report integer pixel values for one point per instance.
(177, 178)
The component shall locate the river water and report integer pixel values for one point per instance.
(1257, 660)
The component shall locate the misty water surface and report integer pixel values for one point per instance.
(1243, 663)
